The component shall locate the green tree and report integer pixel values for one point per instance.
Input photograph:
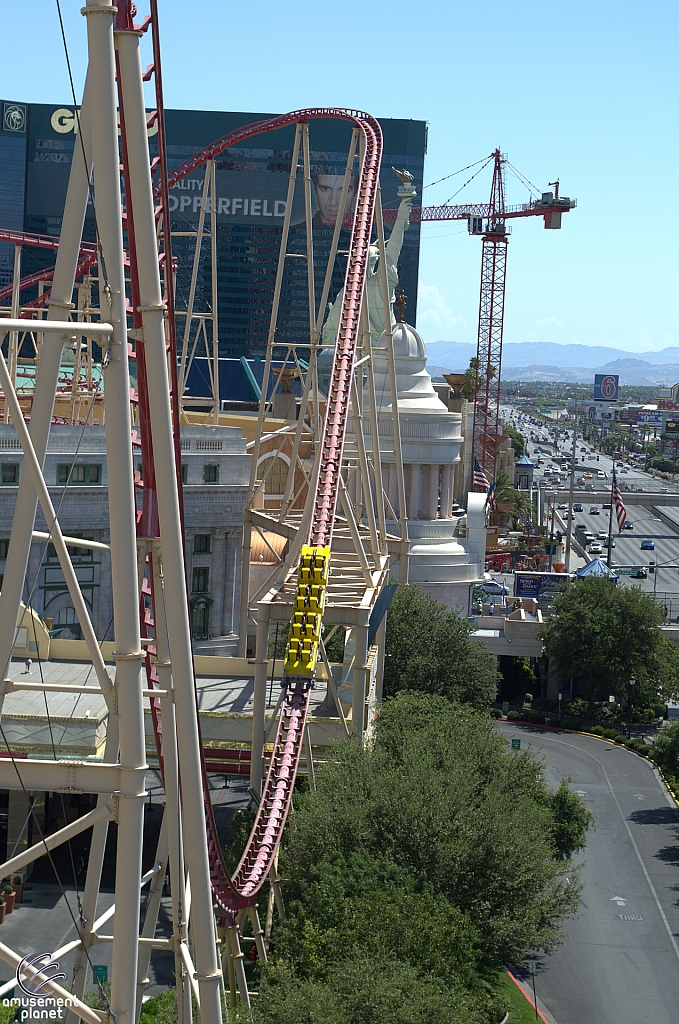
(430, 648)
(365, 991)
(601, 635)
(522, 506)
(476, 379)
(440, 796)
(517, 439)
(666, 749)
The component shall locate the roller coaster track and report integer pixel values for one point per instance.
(233, 893)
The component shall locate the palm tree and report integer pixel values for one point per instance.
(520, 501)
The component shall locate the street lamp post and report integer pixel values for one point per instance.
(632, 681)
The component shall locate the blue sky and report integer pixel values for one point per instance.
(583, 91)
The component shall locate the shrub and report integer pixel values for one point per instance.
(597, 730)
(514, 716)
(571, 723)
(577, 706)
(611, 734)
(536, 717)
(17, 880)
(160, 1009)
(620, 738)
(666, 748)
(496, 712)
(637, 744)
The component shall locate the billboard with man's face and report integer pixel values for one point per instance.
(251, 185)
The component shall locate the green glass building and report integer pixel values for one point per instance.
(37, 142)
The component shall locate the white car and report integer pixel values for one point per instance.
(595, 548)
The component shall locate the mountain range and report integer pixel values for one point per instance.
(548, 361)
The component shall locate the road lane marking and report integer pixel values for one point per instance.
(658, 904)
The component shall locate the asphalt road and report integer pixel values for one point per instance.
(620, 961)
(659, 525)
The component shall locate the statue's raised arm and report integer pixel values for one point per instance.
(406, 193)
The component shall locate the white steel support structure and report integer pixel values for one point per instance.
(152, 309)
(128, 653)
(119, 780)
(60, 304)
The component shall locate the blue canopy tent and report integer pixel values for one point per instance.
(596, 568)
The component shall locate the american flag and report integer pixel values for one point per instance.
(480, 479)
(491, 500)
(620, 513)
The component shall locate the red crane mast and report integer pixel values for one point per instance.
(491, 323)
(489, 220)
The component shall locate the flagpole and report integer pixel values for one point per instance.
(610, 519)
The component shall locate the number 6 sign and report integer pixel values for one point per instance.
(606, 387)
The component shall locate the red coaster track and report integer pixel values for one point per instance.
(232, 894)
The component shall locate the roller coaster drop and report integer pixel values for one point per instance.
(147, 548)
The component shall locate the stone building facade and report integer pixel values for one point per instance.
(215, 469)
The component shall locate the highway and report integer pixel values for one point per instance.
(620, 961)
(660, 525)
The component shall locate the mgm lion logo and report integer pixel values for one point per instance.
(14, 117)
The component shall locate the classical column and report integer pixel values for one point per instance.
(415, 487)
(433, 493)
(446, 491)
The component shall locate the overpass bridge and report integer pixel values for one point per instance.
(598, 496)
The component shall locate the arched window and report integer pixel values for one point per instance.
(273, 470)
(66, 622)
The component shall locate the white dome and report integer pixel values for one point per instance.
(413, 384)
(407, 342)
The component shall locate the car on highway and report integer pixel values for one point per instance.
(628, 525)
(594, 511)
(648, 545)
(639, 572)
(595, 548)
(612, 542)
(577, 507)
(563, 505)
(607, 504)
(602, 535)
(588, 475)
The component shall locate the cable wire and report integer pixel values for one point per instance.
(524, 180)
(445, 178)
(469, 180)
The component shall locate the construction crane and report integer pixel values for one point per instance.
(489, 220)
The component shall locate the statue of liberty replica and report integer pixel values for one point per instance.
(373, 285)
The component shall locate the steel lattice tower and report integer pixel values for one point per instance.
(491, 322)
